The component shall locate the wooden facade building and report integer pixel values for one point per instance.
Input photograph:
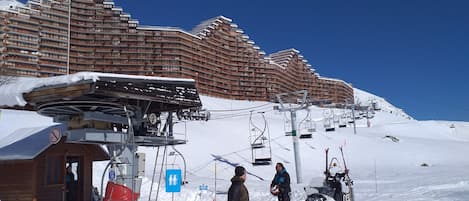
(38, 40)
(33, 168)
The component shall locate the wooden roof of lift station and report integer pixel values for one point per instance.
(105, 100)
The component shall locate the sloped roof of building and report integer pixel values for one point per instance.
(26, 143)
(11, 93)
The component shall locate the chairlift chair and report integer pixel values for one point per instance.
(262, 161)
(307, 127)
(328, 126)
(260, 142)
(370, 114)
(336, 119)
(342, 122)
(287, 126)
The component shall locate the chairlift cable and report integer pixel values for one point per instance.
(195, 170)
(281, 158)
(282, 146)
(243, 112)
(232, 116)
(229, 117)
(240, 109)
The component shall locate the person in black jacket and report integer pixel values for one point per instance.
(281, 183)
(237, 190)
(69, 184)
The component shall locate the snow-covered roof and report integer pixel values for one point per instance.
(118, 9)
(11, 94)
(165, 28)
(334, 80)
(204, 26)
(7, 4)
(27, 143)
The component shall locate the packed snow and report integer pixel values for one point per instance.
(396, 158)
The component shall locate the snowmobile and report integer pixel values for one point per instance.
(337, 185)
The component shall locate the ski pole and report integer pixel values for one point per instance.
(343, 159)
(327, 159)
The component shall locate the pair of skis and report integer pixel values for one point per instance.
(348, 196)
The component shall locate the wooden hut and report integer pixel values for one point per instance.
(33, 165)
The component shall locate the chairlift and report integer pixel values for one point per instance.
(342, 121)
(336, 119)
(287, 126)
(375, 106)
(328, 113)
(260, 142)
(307, 127)
(328, 126)
(362, 114)
(370, 114)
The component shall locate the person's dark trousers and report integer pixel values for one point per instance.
(283, 197)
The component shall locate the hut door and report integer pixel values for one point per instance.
(74, 178)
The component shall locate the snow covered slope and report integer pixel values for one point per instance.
(382, 169)
(365, 98)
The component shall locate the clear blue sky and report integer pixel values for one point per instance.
(415, 54)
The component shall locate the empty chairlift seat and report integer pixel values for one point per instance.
(328, 126)
(307, 127)
(259, 137)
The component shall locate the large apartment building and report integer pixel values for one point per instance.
(54, 37)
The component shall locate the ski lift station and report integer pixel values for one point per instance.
(93, 110)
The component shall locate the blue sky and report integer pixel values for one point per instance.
(413, 53)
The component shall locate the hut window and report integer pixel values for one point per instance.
(53, 170)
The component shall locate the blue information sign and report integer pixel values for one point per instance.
(173, 180)
(112, 175)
